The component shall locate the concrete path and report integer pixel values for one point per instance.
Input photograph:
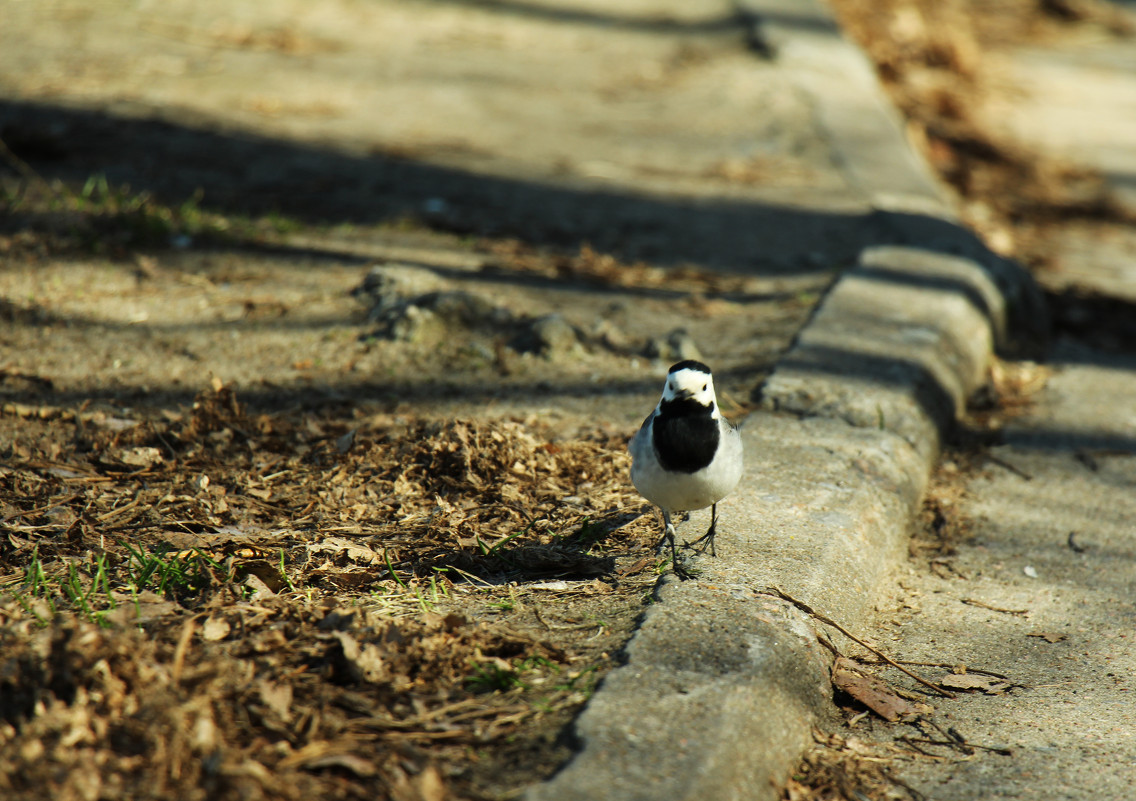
(1052, 514)
(1053, 547)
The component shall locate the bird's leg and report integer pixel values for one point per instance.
(669, 536)
(668, 530)
(707, 539)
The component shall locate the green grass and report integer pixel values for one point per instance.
(284, 573)
(103, 216)
(409, 597)
(181, 574)
(502, 605)
(95, 589)
(496, 548)
(488, 677)
(533, 673)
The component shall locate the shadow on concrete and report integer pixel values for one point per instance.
(1106, 324)
(247, 175)
(741, 16)
(915, 380)
(904, 375)
(657, 23)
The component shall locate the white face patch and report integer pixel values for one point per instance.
(693, 384)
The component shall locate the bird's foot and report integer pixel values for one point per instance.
(679, 568)
(700, 545)
(707, 540)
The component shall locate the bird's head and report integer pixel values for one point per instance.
(690, 382)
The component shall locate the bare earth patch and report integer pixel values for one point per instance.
(222, 604)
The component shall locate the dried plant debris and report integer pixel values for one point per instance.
(602, 269)
(874, 693)
(1010, 391)
(973, 682)
(931, 57)
(1049, 636)
(218, 603)
(837, 768)
(208, 712)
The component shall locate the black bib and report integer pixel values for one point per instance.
(685, 435)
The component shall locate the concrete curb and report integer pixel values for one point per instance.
(722, 682)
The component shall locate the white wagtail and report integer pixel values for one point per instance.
(686, 456)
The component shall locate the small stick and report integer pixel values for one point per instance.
(187, 630)
(973, 602)
(540, 618)
(914, 745)
(118, 510)
(944, 665)
(1015, 470)
(948, 743)
(953, 737)
(38, 509)
(956, 744)
(952, 734)
(808, 610)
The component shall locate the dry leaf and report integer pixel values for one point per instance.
(140, 457)
(873, 692)
(430, 785)
(215, 628)
(277, 697)
(267, 572)
(344, 443)
(140, 608)
(338, 546)
(256, 588)
(1048, 636)
(363, 663)
(974, 681)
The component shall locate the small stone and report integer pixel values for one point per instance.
(386, 286)
(676, 346)
(551, 336)
(611, 336)
(412, 324)
(140, 457)
(554, 334)
(430, 318)
(465, 308)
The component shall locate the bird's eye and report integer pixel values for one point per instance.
(704, 387)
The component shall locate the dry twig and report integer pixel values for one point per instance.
(808, 610)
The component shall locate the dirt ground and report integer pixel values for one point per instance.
(313, 474)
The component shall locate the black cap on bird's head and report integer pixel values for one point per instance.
(689, 364)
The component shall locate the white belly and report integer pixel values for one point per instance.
(683, 492)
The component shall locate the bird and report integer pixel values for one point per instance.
(686, 456)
